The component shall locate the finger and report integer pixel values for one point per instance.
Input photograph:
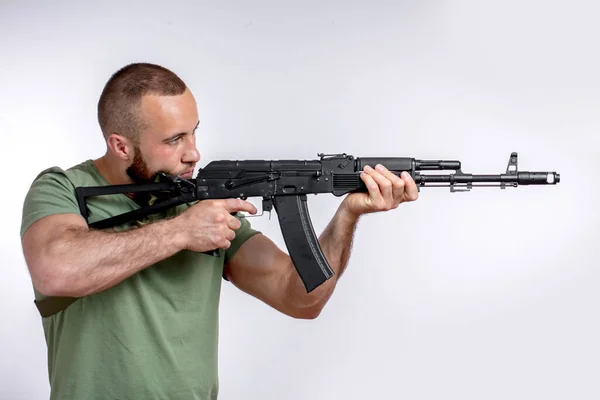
(410, 187)
(235, 205)
(224, 239)
(385, 185)
(399, 190)
(233, 222)
(372, 186)
(225, 244)
(230, 235)
(397, 184)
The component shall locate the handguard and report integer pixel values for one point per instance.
(301, 240)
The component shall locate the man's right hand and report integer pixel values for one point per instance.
(208, 224)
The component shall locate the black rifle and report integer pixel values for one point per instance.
(284, 184)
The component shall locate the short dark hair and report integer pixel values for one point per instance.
(118, 107)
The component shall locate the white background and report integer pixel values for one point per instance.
(491, 294)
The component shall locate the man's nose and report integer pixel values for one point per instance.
(191, 154)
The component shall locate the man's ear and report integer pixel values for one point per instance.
(121, 147)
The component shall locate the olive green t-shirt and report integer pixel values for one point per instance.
(152, 336)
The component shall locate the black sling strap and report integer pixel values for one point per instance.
(52, 305)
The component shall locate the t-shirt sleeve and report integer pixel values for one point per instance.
(50, 193)
(241, 235)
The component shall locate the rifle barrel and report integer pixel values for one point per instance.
(520, 178)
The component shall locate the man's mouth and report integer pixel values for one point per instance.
(187, 174)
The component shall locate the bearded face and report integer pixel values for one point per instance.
(167, 141)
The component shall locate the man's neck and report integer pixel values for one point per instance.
(112, 171)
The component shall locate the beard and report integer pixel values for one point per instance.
(139, 171)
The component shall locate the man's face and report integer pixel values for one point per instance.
(168, 143)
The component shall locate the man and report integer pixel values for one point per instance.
(145, 322)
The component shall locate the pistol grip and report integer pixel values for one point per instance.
(215, 252)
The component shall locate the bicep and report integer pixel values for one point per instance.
(40, 236)
(262, 270)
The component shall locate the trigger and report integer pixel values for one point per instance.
(267, 205)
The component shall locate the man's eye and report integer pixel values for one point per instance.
(174, 141)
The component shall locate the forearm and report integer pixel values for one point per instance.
(83, 262)
(336, 243)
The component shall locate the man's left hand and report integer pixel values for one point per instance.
(386, 191)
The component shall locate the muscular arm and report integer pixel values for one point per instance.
(65, 258)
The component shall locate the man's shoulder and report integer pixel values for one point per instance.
(53, 191)
(83, 173)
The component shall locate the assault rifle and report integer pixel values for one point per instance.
(285, 184)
